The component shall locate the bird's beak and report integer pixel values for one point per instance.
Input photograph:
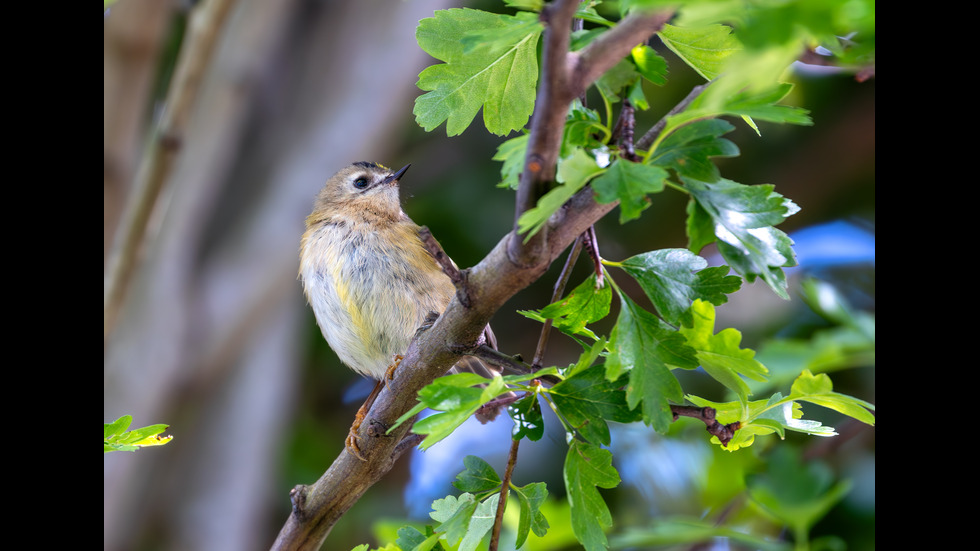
(396, 176)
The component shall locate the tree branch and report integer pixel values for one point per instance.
(504, 487)
(707, 416)
(204, 28)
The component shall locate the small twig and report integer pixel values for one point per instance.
(406, 444)
(559, 289)
(623, 131)
(457, 276)
(707, 416)
(496, 358)
(505, 486)
(592, 245)
(647, 140)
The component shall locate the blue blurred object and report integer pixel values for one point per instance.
(833, 244)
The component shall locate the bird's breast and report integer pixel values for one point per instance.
(370, 289)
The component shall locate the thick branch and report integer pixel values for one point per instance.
(565, 76)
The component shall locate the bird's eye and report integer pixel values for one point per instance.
(361, 183)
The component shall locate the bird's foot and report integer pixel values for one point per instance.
(390, 372)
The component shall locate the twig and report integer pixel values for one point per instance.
(495, 358)
(647, 140)
(622, 133)
(592, 245)
(203, 32)
(559, 290)
(707, 416)
(502, 503)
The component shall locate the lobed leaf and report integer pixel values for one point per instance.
(490, 63)
(674, 278)
(629, 183)
(588, 467)
(741, 218)
(648, 349)
(719, 354)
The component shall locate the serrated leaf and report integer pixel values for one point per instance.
(528, 421)
(464, 520)
(410, 537)
(583, 305)
(705, 49)
(674, 278)
(629, 183)
(573, 173)
(742, 218)
(818, 389)
(620, 77)
(689, 149)
(531, 497)
(719, 354)
(512, 154)
(588, 467)
(588, 398)
(456, 398)
(477, 477)
(490, 62)
(650, 64)
(454, 515)
(583, 128)
(645, 347)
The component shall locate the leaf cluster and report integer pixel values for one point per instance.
(116, 438)
(490, 62)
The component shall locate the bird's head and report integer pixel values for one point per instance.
(360, 190)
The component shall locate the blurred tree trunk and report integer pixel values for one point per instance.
(208, 337)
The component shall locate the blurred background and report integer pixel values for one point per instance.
(215, 339)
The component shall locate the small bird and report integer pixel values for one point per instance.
(369, 279)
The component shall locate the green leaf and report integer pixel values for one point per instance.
(528, 422)
(674, 278)
(588, 467)
(705, 49)
(512, 154)
(587, 399)
(648, 349)
(478, 476)
(410, 537)
(116, 438)
(742, 218)
(818, 389)
(531, 497)
(612, 83)
(690, 148)
(582, 129)
(457, 398)
(490, 62)
(116, 427)
(650, 64)
(720, 355)
(583, 305)
(796, 492)
(629, 183)
(454, 514)
(573, 172)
